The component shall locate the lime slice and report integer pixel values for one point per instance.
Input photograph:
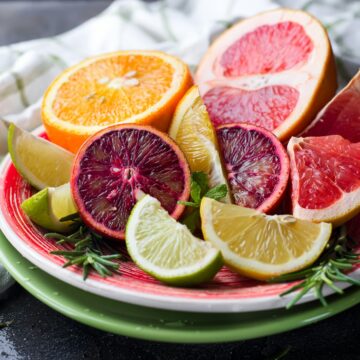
(49, 205)
(259, 245)
(40, 162)
(166, 249)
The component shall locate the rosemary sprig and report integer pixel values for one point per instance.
(87, 252)
(336, 260)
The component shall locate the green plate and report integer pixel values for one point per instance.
(162, 325)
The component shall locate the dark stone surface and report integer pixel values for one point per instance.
(39, 333)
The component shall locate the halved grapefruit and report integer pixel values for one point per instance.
(256, 163)
(113, 169)
(274, 70)
(325, 178)
(341, 116)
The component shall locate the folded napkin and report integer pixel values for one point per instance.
(183, 28)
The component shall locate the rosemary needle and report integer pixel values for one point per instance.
(86, 251)
(337, 259)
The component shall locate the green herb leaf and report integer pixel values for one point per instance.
(5, 324)
(86, 251)
(337, 258)
(189, 203)
(218, 192)
(198, 189)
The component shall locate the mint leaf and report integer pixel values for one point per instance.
(192, 220)
(218, 192)
(189, 203)
(201, 179)
(195, 191)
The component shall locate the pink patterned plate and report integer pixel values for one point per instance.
(228, 292)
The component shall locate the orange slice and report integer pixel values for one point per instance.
(140, 87)
(275, 70)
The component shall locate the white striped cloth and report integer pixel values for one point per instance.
(183, 28)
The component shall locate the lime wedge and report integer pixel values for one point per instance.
(166, 249)
(49, 205)
(40, 162)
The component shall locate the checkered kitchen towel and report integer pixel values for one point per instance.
(180, 27)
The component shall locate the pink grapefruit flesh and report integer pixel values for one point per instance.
(256, 163)
(115, 165)
(267, 49)
(267, 107)
(274, 70)
(341, 116)
(325, 177)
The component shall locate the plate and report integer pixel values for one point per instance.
(162, 325)
(227, 293)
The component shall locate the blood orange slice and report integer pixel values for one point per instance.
(274, 70)
(115, 165)
(256, 163)
(325, 177)
(341, 116)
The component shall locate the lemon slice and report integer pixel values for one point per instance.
(49, 205)
(166, 249)
(191, 128)
(40, 162)
(262, 246)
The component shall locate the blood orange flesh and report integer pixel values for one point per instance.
(275, 70)
(325, 174)
(257, 165)
(114, 165)
(341, 116)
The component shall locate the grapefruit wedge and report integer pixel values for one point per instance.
(275, 70)
(325, 178)
(341, 116)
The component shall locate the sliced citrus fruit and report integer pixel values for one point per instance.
(256, 164)
(341, 116)
(192, 130)
(166, 249)
(262, 246)
(40, 162)
(140, 87)
(117, 164)
(274, 70)
(47, 207)
(325, 178)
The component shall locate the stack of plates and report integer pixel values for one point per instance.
(132, 303)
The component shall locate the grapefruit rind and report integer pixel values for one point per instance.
(149, 223)
(252, 266)
(337, 214)
(315, 79)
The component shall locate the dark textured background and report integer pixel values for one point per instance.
(39, 333)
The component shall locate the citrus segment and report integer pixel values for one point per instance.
(39, 161)
(192, 130)
(115, 165)
(325, 173)
(47, 207)
(258, 245)
(275, 69)
(341, 116)
(267, 107)
(267, 49)
(166, 249)
(256, 163)
(128, 86)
